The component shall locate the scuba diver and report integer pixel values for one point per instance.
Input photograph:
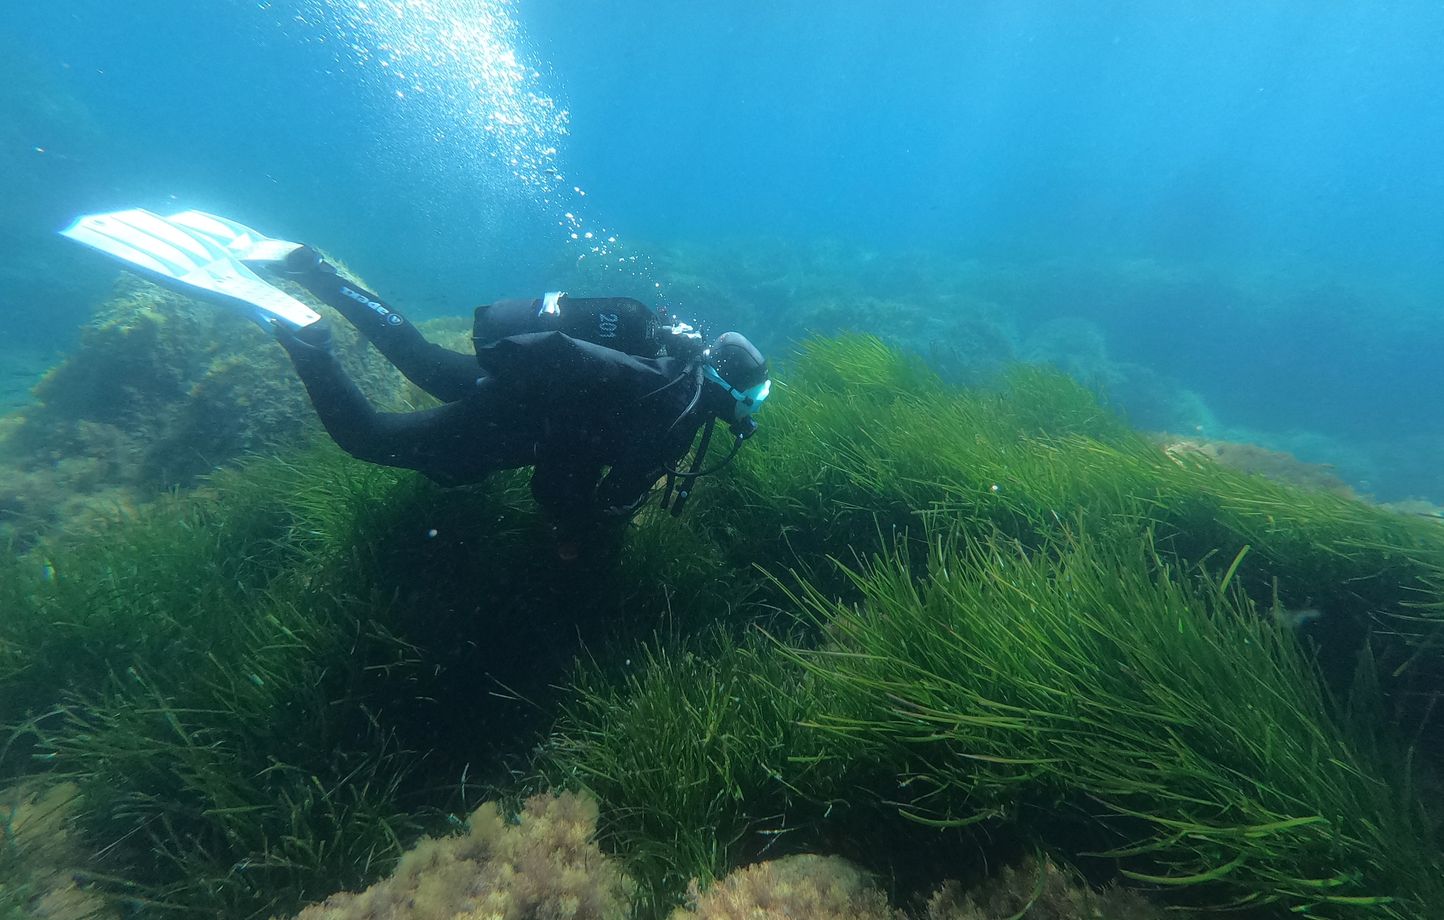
(567, 386)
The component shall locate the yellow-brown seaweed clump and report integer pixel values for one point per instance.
(810, 887)
(547, 866)
(40, 856)
(1040, 889)
(802, 887)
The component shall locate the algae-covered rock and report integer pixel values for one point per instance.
(544, 865)
(813, 887)
(161, 390)
(801, 887)
(1259, 461)
(1040, 889)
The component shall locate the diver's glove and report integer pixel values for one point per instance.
(310, 341)
(567, 539)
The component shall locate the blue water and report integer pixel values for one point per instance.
(1242, 200)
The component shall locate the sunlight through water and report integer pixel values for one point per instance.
(459, 72)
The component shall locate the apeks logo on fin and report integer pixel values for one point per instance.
(376, 307)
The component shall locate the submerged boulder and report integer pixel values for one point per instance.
(160, 391)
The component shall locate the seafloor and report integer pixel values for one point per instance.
(949, 640)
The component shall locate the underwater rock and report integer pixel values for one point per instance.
(1259, 461)
(544, 865)
(1146, 397)
(1417, 507)
(160, 391)
(1074, 345)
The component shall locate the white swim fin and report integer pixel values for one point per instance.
(190, 261)
(243, 242)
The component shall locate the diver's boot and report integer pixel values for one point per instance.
(307, 342)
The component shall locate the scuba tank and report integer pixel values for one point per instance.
(621, 323)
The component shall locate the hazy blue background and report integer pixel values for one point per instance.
(1276, 164)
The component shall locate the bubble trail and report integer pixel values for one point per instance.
(459, 68)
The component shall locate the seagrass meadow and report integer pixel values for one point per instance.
(929, 629)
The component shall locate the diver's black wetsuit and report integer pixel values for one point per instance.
(565, 406)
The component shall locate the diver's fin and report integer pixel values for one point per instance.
(243, 242)
(189, 262)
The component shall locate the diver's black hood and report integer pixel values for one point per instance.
(737, 361)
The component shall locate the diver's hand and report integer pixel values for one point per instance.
(569, 537)
(588, 540)
(568, 550)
